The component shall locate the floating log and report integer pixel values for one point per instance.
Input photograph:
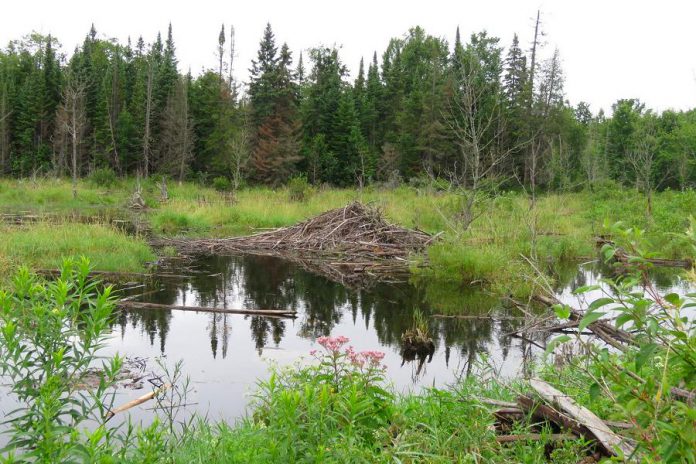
(254, 312)
(600, 431)
(103, 274)
(621, 256)
(484, 317)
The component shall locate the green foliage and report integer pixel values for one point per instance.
(648, 379)
(49, 338)
(298, 188)
(103, 177)
(221, 184)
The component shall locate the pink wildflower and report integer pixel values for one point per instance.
(333, 344)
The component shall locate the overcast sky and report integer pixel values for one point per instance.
(610, 49)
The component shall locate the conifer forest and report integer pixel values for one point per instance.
(437, 255)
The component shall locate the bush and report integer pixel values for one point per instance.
(103, 177)
(221, 184)
(299, 188)
(651, 379)
(49, 338)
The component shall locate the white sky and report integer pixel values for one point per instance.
(610, 48)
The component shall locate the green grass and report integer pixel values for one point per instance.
(492, 251)
(45, 245)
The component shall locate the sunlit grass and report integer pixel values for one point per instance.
(45, 245)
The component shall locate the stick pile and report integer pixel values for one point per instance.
(345, 244)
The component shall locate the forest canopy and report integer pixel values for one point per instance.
(474, 113)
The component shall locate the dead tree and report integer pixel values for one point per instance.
(177, 133)
(476, 132)
(239, 153)
(641, 159)
(74, 122)
(148, 112)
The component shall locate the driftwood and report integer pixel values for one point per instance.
(535, 437)
(483, 317)
(348, 245)
(255, 312)
(612, 443)
(617, 338)
(109, 275)
(140, 400)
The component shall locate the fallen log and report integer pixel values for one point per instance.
(621, 256)
(254, 312)
(104, 274)
(485, 317)
(612, 443)
(535, 437)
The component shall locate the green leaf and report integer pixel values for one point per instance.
(595, 391)
(585, 289)
(556, 341)
(645, 353)
(598, 303)
(562, 311)
(673, 299)
(623, 319)
(588, 319)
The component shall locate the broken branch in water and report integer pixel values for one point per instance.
(255, 312)
(137, 401)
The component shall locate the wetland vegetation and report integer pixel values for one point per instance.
(540, 226)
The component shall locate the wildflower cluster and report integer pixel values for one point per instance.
(338, 362)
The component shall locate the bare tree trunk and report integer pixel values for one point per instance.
(530, 99)
(232, 45)
(113, 110)
(4, 131)
(74, 122)
(73, 119)
(146, 136)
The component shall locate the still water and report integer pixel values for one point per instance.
(225, 354)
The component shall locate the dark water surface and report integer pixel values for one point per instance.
(226, 354)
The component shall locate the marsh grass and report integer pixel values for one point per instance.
(492, 252)
(44, 245)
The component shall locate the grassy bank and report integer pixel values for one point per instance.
(493, 251)
(43, 246)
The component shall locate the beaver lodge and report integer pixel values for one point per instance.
(352, 245)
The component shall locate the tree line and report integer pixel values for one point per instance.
(473, 113)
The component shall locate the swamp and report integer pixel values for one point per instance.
(438, 252)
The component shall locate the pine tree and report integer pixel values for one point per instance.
(276, 155)
(263, 75)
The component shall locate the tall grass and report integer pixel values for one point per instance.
(44, 245)
(493, 251)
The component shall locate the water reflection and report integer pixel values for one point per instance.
(225, 354)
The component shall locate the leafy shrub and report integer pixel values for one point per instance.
(49, 338)
(341, 396)
(221, 184)
(651, 379)
(299, 188)
(103, 177)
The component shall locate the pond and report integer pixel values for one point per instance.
(226, 354)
